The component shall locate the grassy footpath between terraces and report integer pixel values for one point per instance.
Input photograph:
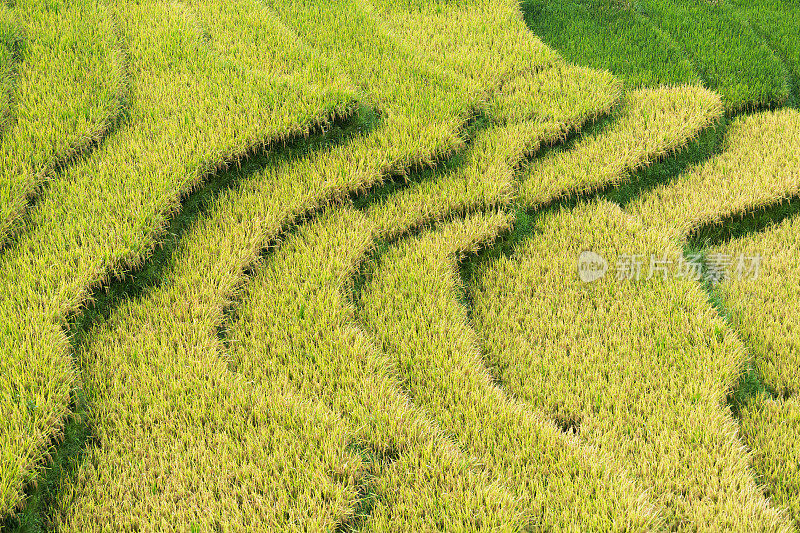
(207, 270)
(62, 86)
(104, 212)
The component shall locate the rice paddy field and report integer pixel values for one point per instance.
(399, 265)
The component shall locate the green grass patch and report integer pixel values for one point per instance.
(776, 22)
(605, 34)
(730, 56)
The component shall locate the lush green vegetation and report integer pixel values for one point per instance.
(655, 42)
(776, 22)
(604, 35)
(729, 55)
(230, 241)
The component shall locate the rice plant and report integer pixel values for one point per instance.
(9, 46)
(63, 83)
(603, 34)
(411, 307)
(639, 365)
(207, 270)
(300, 355)
(757, 166)
(651, 124)
(763, 311)
(728, 53)
(104, 212)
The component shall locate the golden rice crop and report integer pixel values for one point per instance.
(407, 331)
(156, 380)
(502, 50)
(206, 271)
(757, 166)
(411, 306)
(650, 124)
(240, 392)
(657, 320)
(300, 332)
(640, 367)
(197, 103)
(62, 85)
(764, 312)
(561, 100)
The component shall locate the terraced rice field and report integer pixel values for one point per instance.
(399, 265)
